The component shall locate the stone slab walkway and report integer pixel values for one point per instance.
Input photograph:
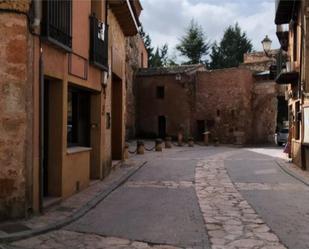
(231, 222)
(63, 239)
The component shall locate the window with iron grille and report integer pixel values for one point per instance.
(57, 22)
(98, 43)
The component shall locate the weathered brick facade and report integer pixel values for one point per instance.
(15, 110)
(224, 101)
(45, 75)
(230, 103)
(136, 57)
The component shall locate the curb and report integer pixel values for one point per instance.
(76, 215)
(284, 166)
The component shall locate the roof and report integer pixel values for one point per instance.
(171, 70)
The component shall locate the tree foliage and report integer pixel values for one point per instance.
(193, 45)
(157, 57)
(231, 49)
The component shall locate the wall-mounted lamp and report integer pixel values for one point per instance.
(104, 80)
(267, 46)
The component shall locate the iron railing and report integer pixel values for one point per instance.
(57, 22)
(98, 43)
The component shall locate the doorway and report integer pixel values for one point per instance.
(200, 128)
(52, 127)
(117, 118)
(162, 126)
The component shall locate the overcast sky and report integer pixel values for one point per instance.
(166, 20)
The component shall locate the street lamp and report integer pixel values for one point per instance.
(267, 45)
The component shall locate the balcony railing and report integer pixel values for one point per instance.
(98, 43)
(286, 72)
(56, 23)
(285, 10)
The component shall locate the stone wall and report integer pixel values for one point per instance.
(224, 102)
(16, 5)
(176, 105)
(132, 65)
(136, 57)
(264, 109)
(229, 103)
(15, 110)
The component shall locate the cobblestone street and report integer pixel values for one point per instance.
(194, 198)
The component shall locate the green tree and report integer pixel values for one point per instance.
(231, 49)
(160, 57)
(193, 44)
(147, 42)
(156, 57)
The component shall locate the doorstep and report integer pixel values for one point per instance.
(69, 210)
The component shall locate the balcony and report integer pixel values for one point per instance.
(126, 13)
(283, 36)
(286, 71)
(98, 43)
(56, 23)
(285, 11)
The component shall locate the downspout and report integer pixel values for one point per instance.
(106, 11)
(36, 22)
(41, 133)
(36, 29)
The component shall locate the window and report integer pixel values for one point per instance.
(98, 43)
(78, 127)
(160, 92)
(56, 24)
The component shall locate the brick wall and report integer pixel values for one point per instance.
(176, 105)
(15, 109)
(224, 101)
(264, 109)
(227, 102)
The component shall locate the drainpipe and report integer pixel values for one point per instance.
(36, 22)
(41, 133)
(36, 29)
(106, 11)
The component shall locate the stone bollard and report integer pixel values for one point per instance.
(158, 144)
(180, 139)
(140, 148)
(190, 141)
(206, 138)
(126, 151)
(168, 142)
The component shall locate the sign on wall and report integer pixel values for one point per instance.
(306, 125)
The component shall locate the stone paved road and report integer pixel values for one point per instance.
(215, 197)
(278, 198)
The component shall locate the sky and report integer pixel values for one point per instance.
(166, 20)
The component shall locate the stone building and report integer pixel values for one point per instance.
(230, 103)
(136, 57)
(292, 69)
(63, 75)
(269, 104)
